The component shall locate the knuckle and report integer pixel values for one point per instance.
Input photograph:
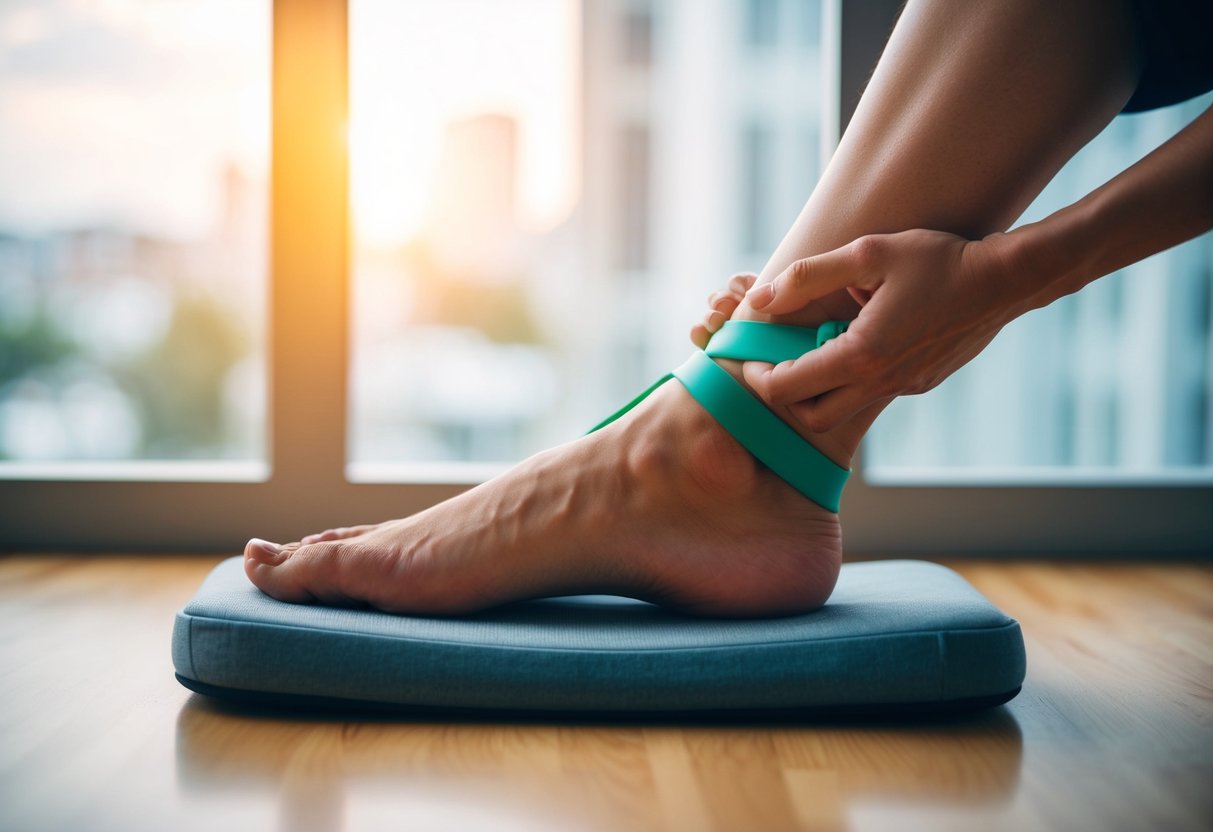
(762, 382)
(764, 391)
(815, 420)
(886, 387)
(868, 251)
(739, 283)
(921, 383)
(884, 390)
(862, 361)
(873, 355)
(799, 274)
(778, 378)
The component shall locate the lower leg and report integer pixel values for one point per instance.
(971, 111)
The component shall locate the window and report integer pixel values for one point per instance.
(356, 307)
(464, 176)
(635, 198)
(810, 22)
(133, 166)
(638, 36)
(555, 174)
(761, 22)
(757, 171)
(1111, 383)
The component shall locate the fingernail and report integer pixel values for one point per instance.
(760, 296)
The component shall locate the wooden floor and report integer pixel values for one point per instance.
(1113, 730)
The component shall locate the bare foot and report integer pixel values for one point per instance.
(661, 505)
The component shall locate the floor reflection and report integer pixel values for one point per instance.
(329, 771)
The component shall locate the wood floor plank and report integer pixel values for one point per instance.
(680, 802)
(1113, 730)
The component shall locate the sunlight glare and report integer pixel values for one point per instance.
(417, 67)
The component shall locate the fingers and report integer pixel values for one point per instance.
(815, 277)
(701, 333)
(817, 389)
(729, 298)
(827, 412)
(739, 284)
(721, 306)
(822, 388)
(813, 374)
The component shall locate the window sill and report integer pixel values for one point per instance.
(158, 470)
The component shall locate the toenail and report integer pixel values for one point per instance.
(265, 544)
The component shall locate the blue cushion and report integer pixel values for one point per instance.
(894, 635)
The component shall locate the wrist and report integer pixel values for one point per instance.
(1051, 257)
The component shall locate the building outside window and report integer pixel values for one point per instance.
(1113, 381)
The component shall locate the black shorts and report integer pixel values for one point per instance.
(1176, 42)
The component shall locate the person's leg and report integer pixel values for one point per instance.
(971, 111)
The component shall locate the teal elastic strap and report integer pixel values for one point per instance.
(747, 419)
(773, 343)
(762, 433)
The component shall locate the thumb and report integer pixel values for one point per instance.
(807, 280)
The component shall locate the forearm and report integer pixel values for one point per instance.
(1161, 201)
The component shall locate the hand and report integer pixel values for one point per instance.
(721, 306)
(931, 301)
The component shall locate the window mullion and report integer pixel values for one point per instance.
(309, 284)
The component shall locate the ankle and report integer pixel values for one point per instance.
(677, 445)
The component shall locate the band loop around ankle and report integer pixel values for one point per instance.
(762, 433)
(746, 418)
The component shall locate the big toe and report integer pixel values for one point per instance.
(274, 570)
(264, 552)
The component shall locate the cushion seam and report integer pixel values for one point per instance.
(1012, 623)
(941, 651)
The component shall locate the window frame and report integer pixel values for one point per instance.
(306, 486)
